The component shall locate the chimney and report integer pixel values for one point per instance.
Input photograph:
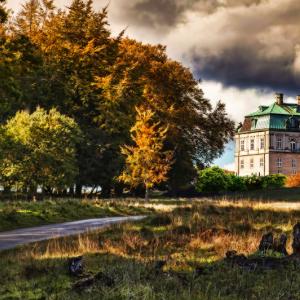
(298, 99)
(279, 98)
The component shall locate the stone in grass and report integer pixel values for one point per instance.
(76, 266)
(296, 239)
(266, 242)
(279, 245)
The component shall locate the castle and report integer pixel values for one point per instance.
(268, 141)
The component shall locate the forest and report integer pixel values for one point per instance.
(81, 107)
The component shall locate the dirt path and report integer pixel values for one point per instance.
(11, 239)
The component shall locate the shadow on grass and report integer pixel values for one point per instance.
(136, 279)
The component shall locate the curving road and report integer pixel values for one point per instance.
(11, 239)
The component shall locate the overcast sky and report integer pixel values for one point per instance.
(243, 50)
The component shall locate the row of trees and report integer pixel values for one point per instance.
(66, 65)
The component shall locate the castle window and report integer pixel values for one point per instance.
(293, 163)
(279, 162)
(242, 164)
(279, 142)
(294, 172)
(294, 123)
(252, 144)
(262, 143)
(293, 145)
(251, 163)
(242, 145)
(261, 162)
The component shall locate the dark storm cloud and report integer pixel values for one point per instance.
(242, 43)
(243, 68)
(166, 14)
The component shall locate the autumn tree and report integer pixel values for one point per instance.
(142, 74)
(147, 163)
(69, 60)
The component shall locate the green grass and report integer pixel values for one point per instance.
(20, 214)
(127, 254)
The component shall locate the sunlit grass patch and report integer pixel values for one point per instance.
(186, 239)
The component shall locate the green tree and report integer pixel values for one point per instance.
(76, 47)
(212, 180)
(147, 163)
(43, 150)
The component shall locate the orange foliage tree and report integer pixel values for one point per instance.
(293, 180)
(147, 163)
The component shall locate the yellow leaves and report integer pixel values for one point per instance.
(146, 161)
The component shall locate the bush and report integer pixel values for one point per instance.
(216, 180)
(212, 180)
(255, 182)
(273, 181)
(236, 183)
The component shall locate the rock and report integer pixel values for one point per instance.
(266, 242)
(279, 245)
(76, 266)
(296, 239)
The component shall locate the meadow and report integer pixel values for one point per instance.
(177, 252)
(22, 214)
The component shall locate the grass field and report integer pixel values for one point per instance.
(191, 237)
(20, 214)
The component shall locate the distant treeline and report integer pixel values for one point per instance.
(68, 97)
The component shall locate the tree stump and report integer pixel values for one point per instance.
(266, 242)
(76, 266)
(279, 245)
(296, 239)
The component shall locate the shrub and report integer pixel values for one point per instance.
(273, 181)
(212, 180)
(253, 182)
(236, 183)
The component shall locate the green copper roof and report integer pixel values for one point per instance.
(275, 116)
(285, 109)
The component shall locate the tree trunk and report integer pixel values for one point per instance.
(78, 190)
(147, 194)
